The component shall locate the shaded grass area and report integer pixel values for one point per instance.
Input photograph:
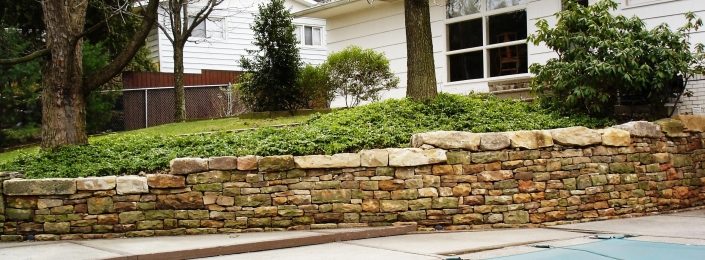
(379, 125)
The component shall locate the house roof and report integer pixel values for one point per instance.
(338, 7)
(308, 3)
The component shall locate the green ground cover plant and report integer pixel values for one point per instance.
(378, 125)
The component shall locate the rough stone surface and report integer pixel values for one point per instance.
(448, 140)
(222, 163)
(641, 129)
(576, 136)
(132, 185)
(671, 127)
(415, 156)
(51, 186)
(188, 165)
(341, 160)
(247, 163)
(374, 158)
(692, 123)
(161, 181)
(616, 137)
(494, 141)
(276, 163)
(208, 177)
(96, 183)
(530, 139)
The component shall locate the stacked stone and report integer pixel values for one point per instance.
(450, 180)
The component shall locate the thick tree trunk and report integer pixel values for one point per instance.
(421, 74)
(179, 92)
(63, 98)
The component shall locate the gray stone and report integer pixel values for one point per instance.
(132, 185)
(405, 157)
(96, 183)
(374, 158)
(641, 129)
(222, 163)
(188, 165)
(51, 186)
(576, 136)
(493, 141)
(341, 160)
(448, 140)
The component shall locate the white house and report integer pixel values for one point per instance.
(479, 45)
(220, 42)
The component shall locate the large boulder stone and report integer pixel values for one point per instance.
(448, 140)
(405, 157)
(161, 181)
(576, 136)
(222, 163)
(530, 139)
(615, 137)
(276, 163)
(132, 185)
(96, 183)
(341, 160)
(692, 123)
(641, 129)
(51, 186)
(188, 165)
(374, 158)
(672, 127)
(494, 141)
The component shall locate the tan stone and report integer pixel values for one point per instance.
(341, 160)
(672, 127)
(276, 163)
(165, 181)
(48, 203)
(247, 163)
(495, 175)
(222, 163)
(641, 129)
(405, 157)
(615, 137)
(188, 165)
(132, 185)
(692, 123)
(530, 139)
(374, 158)
(576, 136)
(96, 183)
(428, 192)
(494, 141)
(49, 186)
(448, 140)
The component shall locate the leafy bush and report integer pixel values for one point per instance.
(378, 125)
(313, 81)
(271, 84)
(359, 74)
(19, 135)
(602, 56)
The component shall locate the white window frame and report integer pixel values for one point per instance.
(485, 47)
(301, 33)
(211, 21)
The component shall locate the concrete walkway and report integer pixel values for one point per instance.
(684, 228)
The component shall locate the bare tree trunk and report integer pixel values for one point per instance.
(421, 74)
(179, 92)
(63, 98)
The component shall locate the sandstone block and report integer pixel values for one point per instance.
(672, 127)
(222, 163)
(516, 217)
(131, 217)
(161, 181)
(247, 163)
(692, 123)
(467, 219)
(530, 139)
(18, 214)
(49, 203)
(445, 203)
(486, 157)
(374, 158)
(331, 196)
(448, 140)
(428, 192)
(188, 165)
(50, 186)
(341, 160)
(394, 205)
(208, 177)
(57, 227)
(100, 205)
(458, 157)
(641, 129)
(276, 163)
(132, 185)
(254, 200)
(494, 141)
(186, 200)
(404, 157)
(616, 137)
(576, 136)
(96, 183)
(495, 175)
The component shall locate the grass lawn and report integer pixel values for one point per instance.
(192, 127)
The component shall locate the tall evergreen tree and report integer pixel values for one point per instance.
(270, 80)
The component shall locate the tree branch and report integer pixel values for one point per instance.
(28, 57)
(115, 67)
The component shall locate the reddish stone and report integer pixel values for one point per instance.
(165, 181)
(188, 200)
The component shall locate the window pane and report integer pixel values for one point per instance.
(455, 8)
(507, 27)
(466, 66)
(316, 36)
(199, 30)
(508, 60)
(308, 35)
(297, 33)
(216, 28)
(496, 4)
(465, 34)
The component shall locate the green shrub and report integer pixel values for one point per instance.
(359, 74)
(602, 56)
(378, 125)
(313, 81)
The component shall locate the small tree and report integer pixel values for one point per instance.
(270, 80)
(602, 57)
(313, 81)
(359, 75)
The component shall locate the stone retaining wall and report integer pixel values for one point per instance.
(451, 180)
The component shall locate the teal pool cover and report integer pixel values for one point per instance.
(616, 249)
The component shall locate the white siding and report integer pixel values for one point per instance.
(225, 54)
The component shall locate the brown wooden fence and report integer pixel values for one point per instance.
(148, 97)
